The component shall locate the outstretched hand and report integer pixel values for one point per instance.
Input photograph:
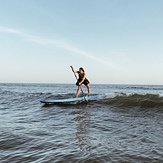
(72, 68)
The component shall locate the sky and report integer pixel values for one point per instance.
(115, 41)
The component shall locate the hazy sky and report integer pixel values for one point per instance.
(116, 41)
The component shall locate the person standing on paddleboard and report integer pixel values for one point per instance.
(81, 80)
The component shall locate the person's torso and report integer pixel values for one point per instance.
(81, 75)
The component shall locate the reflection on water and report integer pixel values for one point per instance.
(82, 133)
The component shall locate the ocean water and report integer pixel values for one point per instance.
(125, 125)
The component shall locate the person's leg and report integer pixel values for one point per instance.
(78, 91)
(88, 88)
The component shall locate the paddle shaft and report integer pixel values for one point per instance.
(77, 80)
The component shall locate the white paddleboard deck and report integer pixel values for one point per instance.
(69, 100)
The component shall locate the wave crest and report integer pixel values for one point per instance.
(136, 100)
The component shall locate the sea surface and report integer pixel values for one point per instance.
(125, 125)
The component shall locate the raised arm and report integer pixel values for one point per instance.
(73, 69)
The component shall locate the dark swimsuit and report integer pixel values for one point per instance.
(85, 82)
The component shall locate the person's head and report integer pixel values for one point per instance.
(81, 69)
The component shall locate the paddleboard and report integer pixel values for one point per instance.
(69, 100)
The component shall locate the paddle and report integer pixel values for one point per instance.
(77, 80)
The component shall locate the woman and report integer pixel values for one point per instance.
(81, 80)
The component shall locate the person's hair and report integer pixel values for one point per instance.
(81, 68)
